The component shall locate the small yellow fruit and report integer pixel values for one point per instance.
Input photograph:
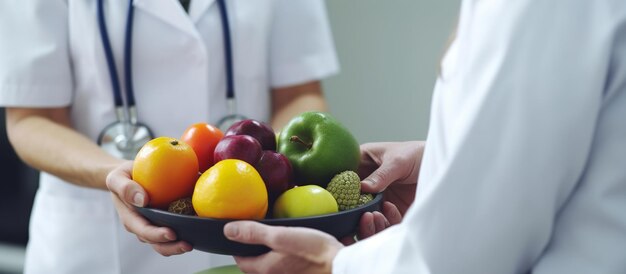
(231, 189)
(304, 201)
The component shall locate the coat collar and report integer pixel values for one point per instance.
(172, 13)
(199, 8)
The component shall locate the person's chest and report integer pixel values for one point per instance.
(163, 28)
(177, 57)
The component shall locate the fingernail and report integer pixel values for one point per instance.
(169, 237)
(231, 230)
(186, 248)
(138, 199)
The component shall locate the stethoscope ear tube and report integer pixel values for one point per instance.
(128, 56)
(124, 137)
(228, 55)
(232, 117)
(108, 54)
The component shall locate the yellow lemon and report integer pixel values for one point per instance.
(231, 189)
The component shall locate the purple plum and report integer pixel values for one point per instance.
(259, 130)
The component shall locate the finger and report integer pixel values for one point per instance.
(173, 248)
(392, 213)
(119, 182)
(379, 222)
(246, 232)
(136, 224)
(381, 178)
(366, 226)
(302, 242)
(141, 239)
(368, 162)
(348, 240)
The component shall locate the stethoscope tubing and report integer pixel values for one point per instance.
(110, 59)
(125, 106)
(128, 52)
(128, 42)
(228, 55)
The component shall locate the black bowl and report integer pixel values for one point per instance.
(207, 234)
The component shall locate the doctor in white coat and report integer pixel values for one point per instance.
(55, 85)
(524, 166)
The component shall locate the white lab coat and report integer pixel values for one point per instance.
(524, 168)
(51, 56)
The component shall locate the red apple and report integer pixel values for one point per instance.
(275, 169)
(242, 147)
(259, 130)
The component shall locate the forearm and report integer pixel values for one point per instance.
(44, 140)
(288, 102)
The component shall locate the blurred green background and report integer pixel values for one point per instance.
(389, 53)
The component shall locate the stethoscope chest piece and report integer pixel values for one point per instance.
(225, 122)
(229, 120)
(124, 139)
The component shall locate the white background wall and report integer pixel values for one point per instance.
(389, 52)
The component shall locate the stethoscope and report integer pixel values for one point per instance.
(124, 137)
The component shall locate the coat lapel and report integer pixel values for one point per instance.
(168, 11)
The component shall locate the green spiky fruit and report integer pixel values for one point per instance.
(365, 198)
(346, 188)
(182, 206)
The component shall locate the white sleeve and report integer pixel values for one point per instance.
(301, 44)
(34, 55)
(514, 131)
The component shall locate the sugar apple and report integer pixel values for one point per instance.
(346, 188)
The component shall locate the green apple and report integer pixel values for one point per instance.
(304, 201)
(318, 147)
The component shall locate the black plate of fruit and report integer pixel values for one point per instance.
(206, 234)
(250, 175)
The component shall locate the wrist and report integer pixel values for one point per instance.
(331, 255)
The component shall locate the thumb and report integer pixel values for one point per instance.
(300, 241)
(118, 181)
(381, 178)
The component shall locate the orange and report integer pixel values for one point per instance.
(231, 189)
(167, 169)
(203, 138)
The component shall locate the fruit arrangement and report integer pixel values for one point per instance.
(249, 172)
